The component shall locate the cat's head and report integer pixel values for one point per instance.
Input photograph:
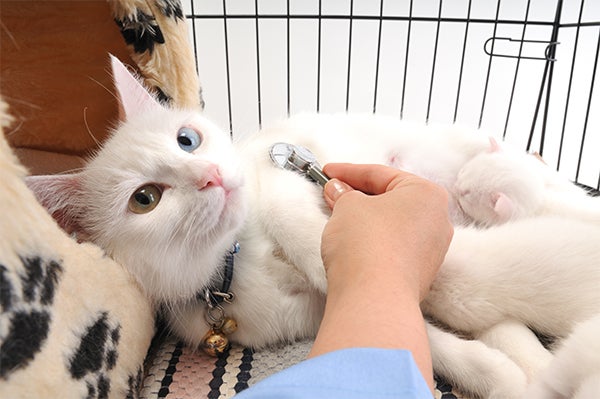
(163, 196)
(499, 185)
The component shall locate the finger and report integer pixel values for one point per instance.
(370, 179)
(333, 190)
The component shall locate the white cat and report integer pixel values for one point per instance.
(169, 194)
(503, 184)
(436, 152)
(538, 273)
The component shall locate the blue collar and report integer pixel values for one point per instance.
(215, 296)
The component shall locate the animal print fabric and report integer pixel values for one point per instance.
(176, 371)
(73, 323)
(157, 35)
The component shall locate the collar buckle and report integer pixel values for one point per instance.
(215, 341)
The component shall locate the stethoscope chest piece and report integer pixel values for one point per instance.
(298, 159)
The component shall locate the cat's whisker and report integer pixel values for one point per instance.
(10, 121)
(87, 127)
(16, 128)
(71, 171)
(9, 34)
(15, 100)
(105, 88)
(539, 272)
(176, 233)
(176, 311)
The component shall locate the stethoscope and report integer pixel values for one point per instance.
(298, 159)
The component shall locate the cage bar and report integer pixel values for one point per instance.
(523, 70)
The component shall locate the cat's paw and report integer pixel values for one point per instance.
(475, 368)
(499, 377)
(486, 373)
(511, 383)
(520, 344)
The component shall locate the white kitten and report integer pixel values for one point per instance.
(435, 152)
(542, 273)
(499, 185)
(145, 164)
(169, 194)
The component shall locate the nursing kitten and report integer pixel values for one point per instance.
(168, 195)
(499, 284)
(500, 185)
(435, 152)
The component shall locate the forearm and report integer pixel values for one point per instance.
(385, 241)
(349, 322)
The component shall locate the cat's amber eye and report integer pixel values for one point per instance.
(188, 139)
(145, 199)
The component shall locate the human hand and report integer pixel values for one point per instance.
(385, 224)
(382, 248)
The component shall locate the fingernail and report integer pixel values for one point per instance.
(335, 188)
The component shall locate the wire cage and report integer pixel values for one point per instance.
(522, 70)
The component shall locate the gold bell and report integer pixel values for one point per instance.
(214, 343)
(229, 326)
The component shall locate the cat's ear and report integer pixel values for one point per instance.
(61, 196)
(504, 206)
(133, 96)
(494, 146)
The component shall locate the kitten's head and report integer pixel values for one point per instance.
(163, 196)
(499, 185)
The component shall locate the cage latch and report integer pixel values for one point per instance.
(499, 50)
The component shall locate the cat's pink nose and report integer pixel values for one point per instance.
(211, 177)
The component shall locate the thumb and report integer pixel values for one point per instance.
(333, 190)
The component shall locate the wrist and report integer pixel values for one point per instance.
(375, 278)
(376, 312)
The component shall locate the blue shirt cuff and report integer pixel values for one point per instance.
(350, 374)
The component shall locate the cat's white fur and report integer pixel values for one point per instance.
(575, 371)
(177, 249)
(98, 196)
(503, 184)
(542, 273)
(436, 152)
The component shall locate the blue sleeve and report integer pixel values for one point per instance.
(349, 374)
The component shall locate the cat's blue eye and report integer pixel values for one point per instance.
(188, 139)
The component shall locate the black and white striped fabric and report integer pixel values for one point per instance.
(176, 371)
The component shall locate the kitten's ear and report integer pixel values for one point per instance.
(133, 96)
(504, 206)
(61, 196)
(494, 146)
